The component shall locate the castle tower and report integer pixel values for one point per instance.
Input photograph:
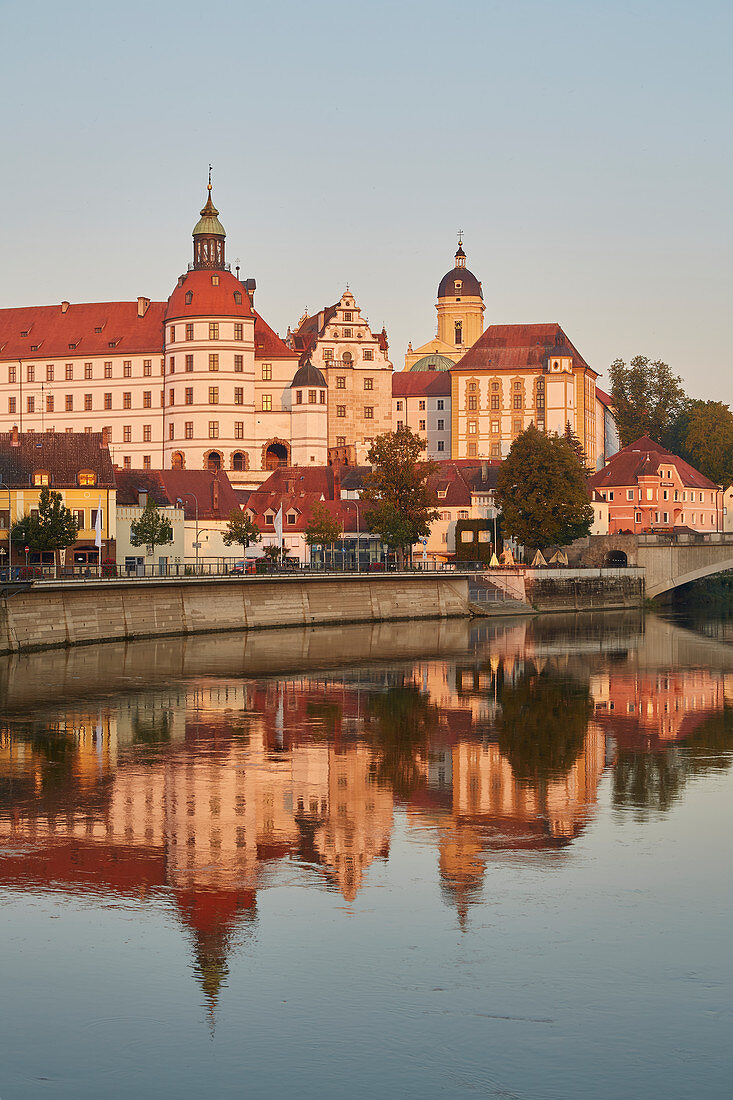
(309, 417)
(460, 306)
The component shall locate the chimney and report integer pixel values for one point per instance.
(142, 306)
(336, 481)
(105, 438)
(14, 440)
(64, 307)
(484, 472)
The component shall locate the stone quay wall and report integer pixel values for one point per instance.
(583, 589)
(56, 613)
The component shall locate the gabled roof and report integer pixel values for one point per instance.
(303, 339)
(459, 479)
(61, 454)
(604, 398)
(517, 347)
(421, 383)
(52, 330)
(643, 459)
(191, 487)
(268, 344)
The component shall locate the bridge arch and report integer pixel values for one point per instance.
(709, 570)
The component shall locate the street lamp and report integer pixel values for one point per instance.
(6, 488)
(197, 544)
(358, 535)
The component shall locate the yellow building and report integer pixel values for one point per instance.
(78, 466)
(460, 309)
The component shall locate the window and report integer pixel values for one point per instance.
(147, 399)
(148, 367)
(171, 431)
(517, 401)
(127, 401)
(213, 330)
(188, 395)
(665, 517)
(472, 427)
(214, 280)
(328, 353)
(49, 372)
(69, 403)
(31, 373)
(311, 397)
(88, 371)
(146, 462)
(189, 332)
(368, 355)
(213, 362)
(172, 332)
(213, 395)
(189, 364)
(127, 462)
(441, 425)
(127, 368)
(348, 316)
(440, 405)
(127, 433)
(637, 517)
(49, 402)
(267, 372)
(517, 426)
(368, 383)
(213, 429)
(68, 372)
(238, 297)
(369, 412)
(31, 404)
(108, 400)
(108, 370)
(458, 332)
(441, 446)
(340, 440)
(12, 405)
(41, 477)
(399, 406)
(147, 433)
(11, 374)
(291, 517)
(323, 397)
(348, 333)
(629, 494)
(79, 517)
(298, 397)
(340, 382)
(472, 402)
(494, 427)
(239, 429)
(496, 450)
(238, 331)
(87, 477)
(341, 410)
(495, 402)
(472, 450)
(171, 366)
(422, 426)
(400, 425)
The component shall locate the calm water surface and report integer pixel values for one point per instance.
(407, 860)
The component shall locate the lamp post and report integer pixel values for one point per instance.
(6, 488)
(197, 544)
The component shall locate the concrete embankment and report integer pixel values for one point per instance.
(53, 614)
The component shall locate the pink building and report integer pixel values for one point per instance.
(647, 488)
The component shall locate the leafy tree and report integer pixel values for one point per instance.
(322, 528)
(647, 399)
(151, 529)
(272, 552)
(399, 502)
(541, 491)
(703, 436)
(53, 529)
(241, 530)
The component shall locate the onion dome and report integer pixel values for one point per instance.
(432, 362)
(308, 375)
(468, 286)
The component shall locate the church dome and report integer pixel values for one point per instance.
(432, 362)
(308, 375)
(208, 293)
(469, 286)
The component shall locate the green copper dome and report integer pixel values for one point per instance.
(432, 362)
(209, 224)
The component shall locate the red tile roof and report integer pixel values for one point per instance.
(168, 486)
(62, 454)
(421, 383)
(604, 398)
(207, 299)
(268, 344)
(517, 347)
(643, 459)
(51, 331)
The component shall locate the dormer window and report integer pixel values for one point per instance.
(214, 280)
(189, 297)
(72, 347)
(458, 285)
(238, 297)
(25, 332)
(112, 344)
(41, 477)
(98, 328)
(86, 477)
(269, 518)
(291, 519)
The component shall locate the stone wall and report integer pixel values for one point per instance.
(55, 614)
(584, 589)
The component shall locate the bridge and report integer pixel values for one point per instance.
(669, 560)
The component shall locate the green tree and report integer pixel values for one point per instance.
(52, 529)
(541, 491)
(151, 529)
(647, 399)
(241, 531)
(577, 448)
(399, 502)
(272, 552)
(704, 437)
(322, 528)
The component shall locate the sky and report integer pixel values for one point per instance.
(583, 147)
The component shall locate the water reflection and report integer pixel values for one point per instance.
(197, 771)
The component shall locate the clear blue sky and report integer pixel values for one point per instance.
(584, 148)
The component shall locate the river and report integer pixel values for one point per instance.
(440, 859)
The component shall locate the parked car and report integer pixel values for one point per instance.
(241, 567)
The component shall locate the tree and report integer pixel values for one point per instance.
(272, 552)
(241, 531)
(647, 399)
(151, 529)
(577, 448)
(541, 491)
(399, 502)
(704, 438)
(53, 528)
(322, 528)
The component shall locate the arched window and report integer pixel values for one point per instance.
(213, 460)
(459, 332)
(178, 460)
(239, 461)
(189, 297)
(86, 477)
(276, 455)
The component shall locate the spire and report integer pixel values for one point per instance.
(460, 254)
(208, 236)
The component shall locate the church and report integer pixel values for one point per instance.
(198, 382)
